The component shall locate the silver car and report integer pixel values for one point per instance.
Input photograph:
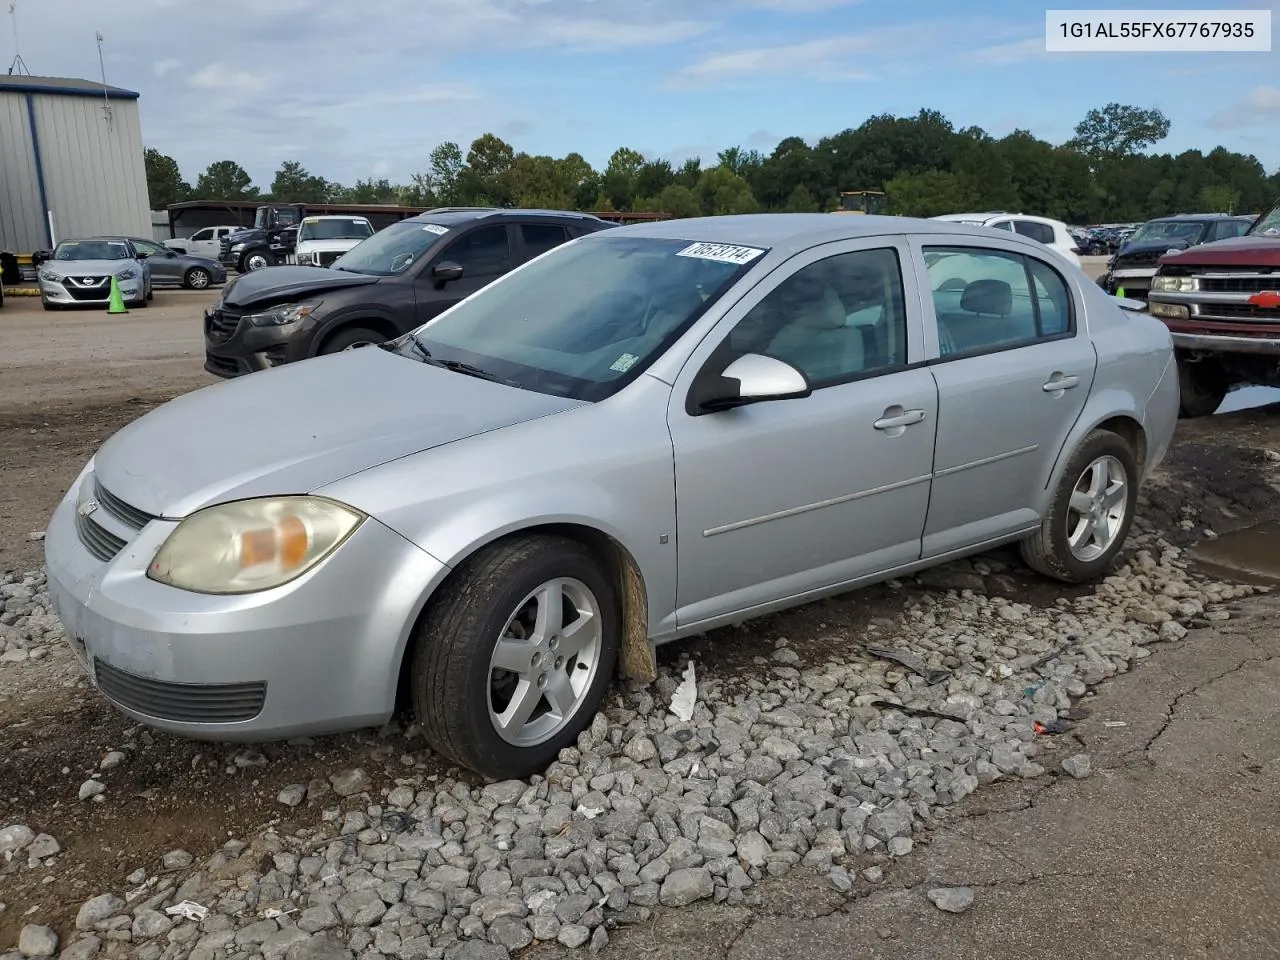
(640, 435)
(80, 271)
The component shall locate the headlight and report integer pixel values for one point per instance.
(50, 276)
(305, 257)
(281, 316)
(127, 275)
(1169, 311)
(1174, 284)
(252, 545)
(237, 247)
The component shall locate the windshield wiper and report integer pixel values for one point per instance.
(456, 366)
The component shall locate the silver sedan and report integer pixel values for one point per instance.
(641, 435)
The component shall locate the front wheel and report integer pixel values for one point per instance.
(513, 657)
(353, 338)
(1203, 387)
(257, 260)
(197, 278)
(1090, 513)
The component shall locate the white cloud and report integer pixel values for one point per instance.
(164, 67)
(831, 58)
(1260, 107)
(225, 78)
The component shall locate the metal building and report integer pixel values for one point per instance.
(70, 162)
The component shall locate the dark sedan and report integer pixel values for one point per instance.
(169, 268)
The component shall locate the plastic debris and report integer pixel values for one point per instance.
(686, 696)
(999, 671)
(188, 910)
(916, 711)
(274, 913)
(590, 813)
(1057, 726)
(909, 660)
(36, 536)
(1114, 723)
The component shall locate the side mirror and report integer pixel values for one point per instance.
(142, 255)
(751, 378)
(444, 271)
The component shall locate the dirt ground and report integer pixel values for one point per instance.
(68, 381)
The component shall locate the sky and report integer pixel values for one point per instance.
(366, 88)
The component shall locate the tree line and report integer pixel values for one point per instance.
(925, 166)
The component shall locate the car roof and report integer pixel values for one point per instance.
(1196, 218)
(802, 230)
(456, 218)
(335, 216)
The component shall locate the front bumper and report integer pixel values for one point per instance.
(320, 654)
(65, 292)
(1136, 281)
(247, 349)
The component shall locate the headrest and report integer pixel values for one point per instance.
(988, 296)
(813, 304)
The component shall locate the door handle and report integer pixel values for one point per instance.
(1059, 382)
(904, 419)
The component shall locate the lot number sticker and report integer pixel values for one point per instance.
(435, 228)
(724, 252)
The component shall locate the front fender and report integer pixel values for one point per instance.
(364, 315)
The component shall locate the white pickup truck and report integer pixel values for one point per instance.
(203, 243)
(322, 240)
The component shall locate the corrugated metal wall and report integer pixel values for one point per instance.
(22, 226)
(94, 177)
(93, 171)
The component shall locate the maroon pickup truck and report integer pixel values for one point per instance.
(1221, 301)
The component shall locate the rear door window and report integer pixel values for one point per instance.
(538, 238)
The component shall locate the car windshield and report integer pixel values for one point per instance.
(340, 229)
(1268, 224)
(91, 250)
(588, 317)
(393, 250)
(1188, 230)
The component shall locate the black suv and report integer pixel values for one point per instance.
(389, 284)
(1134, 263)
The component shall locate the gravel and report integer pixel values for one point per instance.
(818, 758)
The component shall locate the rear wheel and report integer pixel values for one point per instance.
(352, 338)
(513, 657)
(1090, 513)
(1203, 386)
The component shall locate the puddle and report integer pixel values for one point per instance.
(1251, 555)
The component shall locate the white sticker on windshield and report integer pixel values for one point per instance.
(724, 252)
(435, 228)
(624, 363)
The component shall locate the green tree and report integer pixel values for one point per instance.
(293, 184)
(619, 180)
(164, 179)
(801, 201)
(1118, 131)
(444, 177)
(721, 191)
(1218, 198)
(368, 191)
(675, 199)
(488, 161)
(226, 180)
(927, 194)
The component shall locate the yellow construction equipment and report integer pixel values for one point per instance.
(862, 201)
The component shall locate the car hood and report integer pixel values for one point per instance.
(1147, 247)
(87, 268)
(1250, 251)
(284, 283)
(301, 426)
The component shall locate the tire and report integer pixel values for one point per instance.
(351, 338)
(1049, 550)
(49, 306)
(257, 260)
(197, 278)
(452, 674)
(1203, 387)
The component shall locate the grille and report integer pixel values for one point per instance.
(118, 508)
(181, 702)
(88, 288)
(98, 540)
(216, 364)
(1239, 311)
(325, 257)
(1245, 283)
(224, 247)
(1139, 259)
(220, 325)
